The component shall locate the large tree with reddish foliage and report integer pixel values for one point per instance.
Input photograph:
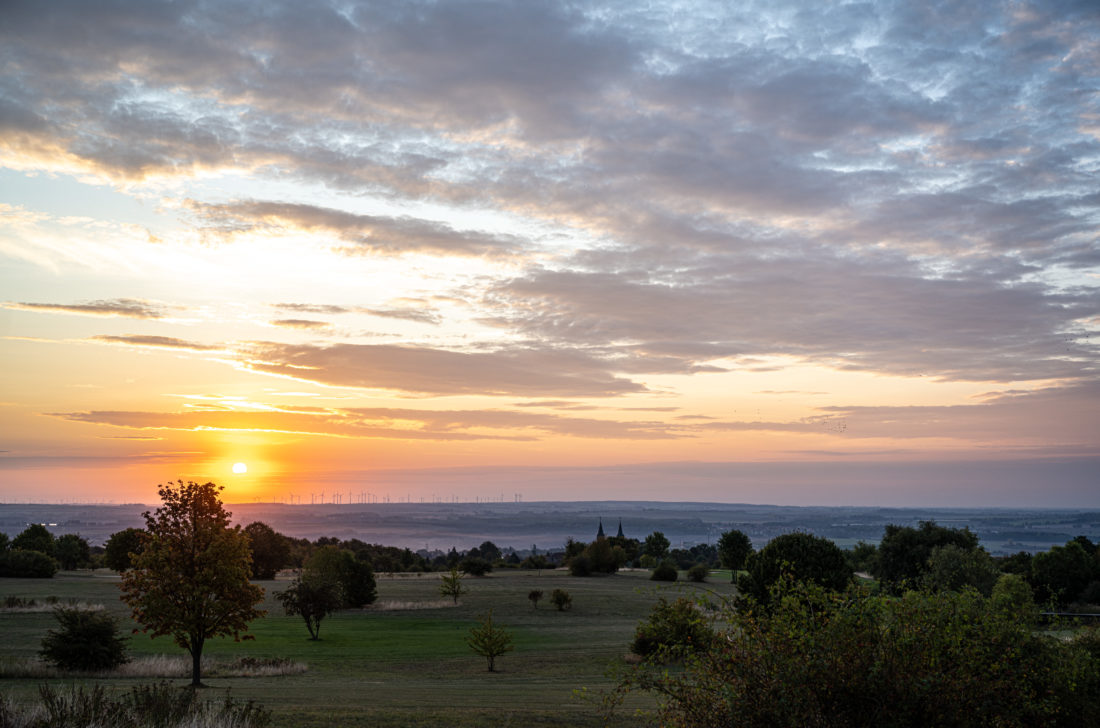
(190, 580)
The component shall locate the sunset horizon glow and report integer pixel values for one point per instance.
(838, 255)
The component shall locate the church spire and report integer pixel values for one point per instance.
(620, 533)
(599, 534)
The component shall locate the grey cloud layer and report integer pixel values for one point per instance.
(893, 187)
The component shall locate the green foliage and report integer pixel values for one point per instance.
(355, 578)
(270, 550)
(191, 580)
(817, 657)
(145, 706)
(656, 545)
(534, 596)
(450, 585)
(803, 557)
(1062, 574)
(475, 566)
(489, 641)
(27, 564)
(35, 538)
(85, 641)
(5, 542)
(1012, 595)
(698, 573)
(734, 548)
(904, 551)
(314, 599)
(665, 571)
(950, 568)
(72, 551)
(673, 630)
(121, 547)
(561, 599)
(538, 562)
(862, 557)
(598, 557)
(489, 551)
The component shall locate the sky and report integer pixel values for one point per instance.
(775, 252)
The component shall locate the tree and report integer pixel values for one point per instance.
(490, 552)
(904, 551)
(561, 599)
(35, 538)
(952, 568)
(5, 542)
(72, 551)
(656, 545)
(489, 641)
(87, 641)
(338, 566)
(1061, 574)
(475, 566)
(450, 585)
(803, 557)
(598, 557)
(191, 579)
(121, 547)
(270, 551)
(733, 548)
(314, 599)
(535, 595)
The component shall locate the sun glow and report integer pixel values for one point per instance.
(240, 468)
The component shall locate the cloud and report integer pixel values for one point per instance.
(164, 342)
(360, 233)
(300, 324)
(421, 370)
(125, 307)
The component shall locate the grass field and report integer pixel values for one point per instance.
(403, 666)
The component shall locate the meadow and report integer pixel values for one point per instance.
(402, 661)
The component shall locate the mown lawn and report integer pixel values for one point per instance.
(405, 666)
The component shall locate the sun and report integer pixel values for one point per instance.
(240, 468)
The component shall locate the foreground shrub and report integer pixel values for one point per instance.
(817, 657)
(673, 630)
(145, 706)
(86, 641)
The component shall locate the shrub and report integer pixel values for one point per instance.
(561, 599)
(698, 573)
(27, 564)
(86, 641)
(672, 630)
(535, 595)
(665, 571)
(475, 566)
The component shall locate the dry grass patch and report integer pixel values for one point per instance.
(157, 667)
(408, 606)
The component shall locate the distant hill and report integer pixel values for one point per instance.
(549, 524)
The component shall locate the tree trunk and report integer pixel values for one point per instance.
(196, 663)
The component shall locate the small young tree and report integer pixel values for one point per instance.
(451, 584)
(489, 641)
(535, 595)
(561, 599)
(314, 599)
(86, 641)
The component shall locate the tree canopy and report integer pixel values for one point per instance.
(734, 548)
(120, 546)
(904, 551)
(191, 579)
(801, 556)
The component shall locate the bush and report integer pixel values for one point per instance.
(665, 571)
(27, 564)
(673, 630)
(561, 599)
(823, 658)
(535, 595)
(475, 566)
(698, 573)
(86, 641)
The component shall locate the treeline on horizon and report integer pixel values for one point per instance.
(929, 555)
